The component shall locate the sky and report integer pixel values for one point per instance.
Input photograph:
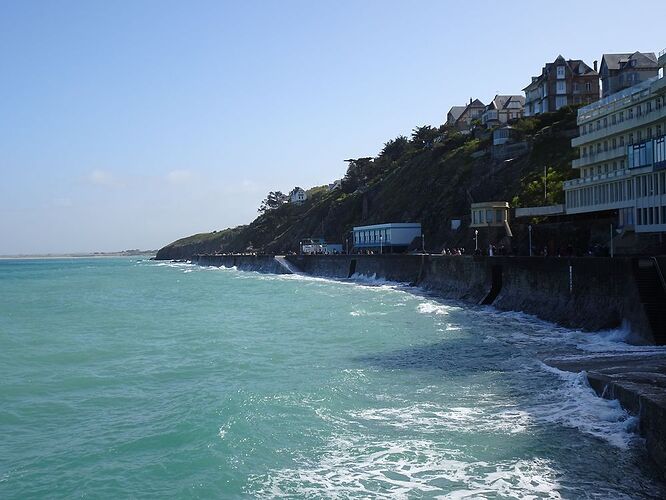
(129, 124)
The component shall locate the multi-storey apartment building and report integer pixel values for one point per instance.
(620, 71)
(622, 161)
(561, 83)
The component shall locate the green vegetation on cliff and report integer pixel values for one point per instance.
(431, 177)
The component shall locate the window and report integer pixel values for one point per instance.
(560, 72)
(588, 87)
(560, 101)
(614, 143)
(561, 87)
(660, 150)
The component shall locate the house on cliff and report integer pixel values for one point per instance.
(564, 82)
(297, 196)
(461, 117)
(620, 71)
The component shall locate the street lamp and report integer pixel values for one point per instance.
(529, 230)
(423, 241)
(381, 247)
(476, 240)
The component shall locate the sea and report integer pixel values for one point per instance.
(132, 378)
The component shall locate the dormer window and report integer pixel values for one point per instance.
(560, 72)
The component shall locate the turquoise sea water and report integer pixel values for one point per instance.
(132, 378)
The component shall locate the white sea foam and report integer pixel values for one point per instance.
(573, 403)
(404, 468)
(430, 418)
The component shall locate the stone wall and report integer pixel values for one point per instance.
(586, 293)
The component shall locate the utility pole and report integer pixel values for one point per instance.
(611, 241)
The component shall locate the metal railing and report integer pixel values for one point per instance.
(659, 273)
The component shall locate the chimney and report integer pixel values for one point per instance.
(595, 65)
(470, 100)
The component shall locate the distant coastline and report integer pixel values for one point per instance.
(124, 253)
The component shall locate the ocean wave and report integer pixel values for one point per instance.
(574, 404)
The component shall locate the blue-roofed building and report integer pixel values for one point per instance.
(386, 238)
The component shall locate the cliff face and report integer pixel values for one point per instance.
(431, 179)
(185, 248)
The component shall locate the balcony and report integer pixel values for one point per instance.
(618, 128)
(594, 179)
(611, 154)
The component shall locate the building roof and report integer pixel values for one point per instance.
(473, 104)
(389, 225)
(456, 111)
(490, 204)
(619, 61)
(506, 102)
(576, 66)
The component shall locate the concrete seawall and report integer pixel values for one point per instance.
(259, 263)
(590, 294)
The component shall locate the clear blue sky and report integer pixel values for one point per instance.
(130, 124)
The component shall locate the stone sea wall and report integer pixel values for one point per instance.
(586, 293)
(590, 294)
(259, 263)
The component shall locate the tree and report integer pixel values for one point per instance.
(394, 148)
(533, 193)
(359, 172)
(423, 137)
(275, 199)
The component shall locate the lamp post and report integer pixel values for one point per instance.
(476, 240)
(611, 242)
(529, 230)
(381, 247)
(423, 242)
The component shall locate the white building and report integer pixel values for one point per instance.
(502, 109)
(386, 237)
(490, 214)
(297, 196)
(622, 163)
(319, 246)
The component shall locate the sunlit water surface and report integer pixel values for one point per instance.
(132, 378)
